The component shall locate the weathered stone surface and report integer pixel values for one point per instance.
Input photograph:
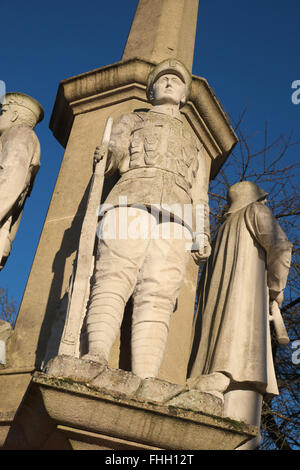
(84, 408)
(215, 382)
(130, 386)
(151, 36)
(156, 390)
(5, 330)
(199, 401)
(117, 381)
(67, 366)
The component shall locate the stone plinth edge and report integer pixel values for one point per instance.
(151, 412)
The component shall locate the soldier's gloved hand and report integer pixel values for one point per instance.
(99, 153)
(201, 248)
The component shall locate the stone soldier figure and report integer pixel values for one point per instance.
(162, 191)
(248, 267)
(19, 162)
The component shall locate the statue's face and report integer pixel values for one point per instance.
(7, 117)
(169, 88)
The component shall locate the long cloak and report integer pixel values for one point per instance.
(250, 259)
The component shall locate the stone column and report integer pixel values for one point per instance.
(163, 29)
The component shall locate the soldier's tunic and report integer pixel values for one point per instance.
(161, 165)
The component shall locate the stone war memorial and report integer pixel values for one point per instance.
(110, 350)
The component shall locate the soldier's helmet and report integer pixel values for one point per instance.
(25, 101)
(242, 194)
(173, 66)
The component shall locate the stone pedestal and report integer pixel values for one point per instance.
(83, 405)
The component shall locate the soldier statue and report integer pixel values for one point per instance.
(159, 211)
(19, 162)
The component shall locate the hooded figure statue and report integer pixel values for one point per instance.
(249, 265)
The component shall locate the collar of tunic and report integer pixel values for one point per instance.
(167, 110)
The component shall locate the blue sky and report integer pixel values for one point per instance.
(247, 50)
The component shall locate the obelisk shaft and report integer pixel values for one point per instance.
(163, 29)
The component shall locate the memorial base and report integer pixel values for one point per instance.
(78, 404)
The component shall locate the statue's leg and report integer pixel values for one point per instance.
(158, 286)
(119, 259)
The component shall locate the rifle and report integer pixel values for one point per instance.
(82, 269)
(276, 318)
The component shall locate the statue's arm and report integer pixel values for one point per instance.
(17, 150)
(278, 249)
(199, 193)
(118, 148)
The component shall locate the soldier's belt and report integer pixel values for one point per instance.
(151, 172)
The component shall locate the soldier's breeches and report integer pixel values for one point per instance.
(151, 269)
